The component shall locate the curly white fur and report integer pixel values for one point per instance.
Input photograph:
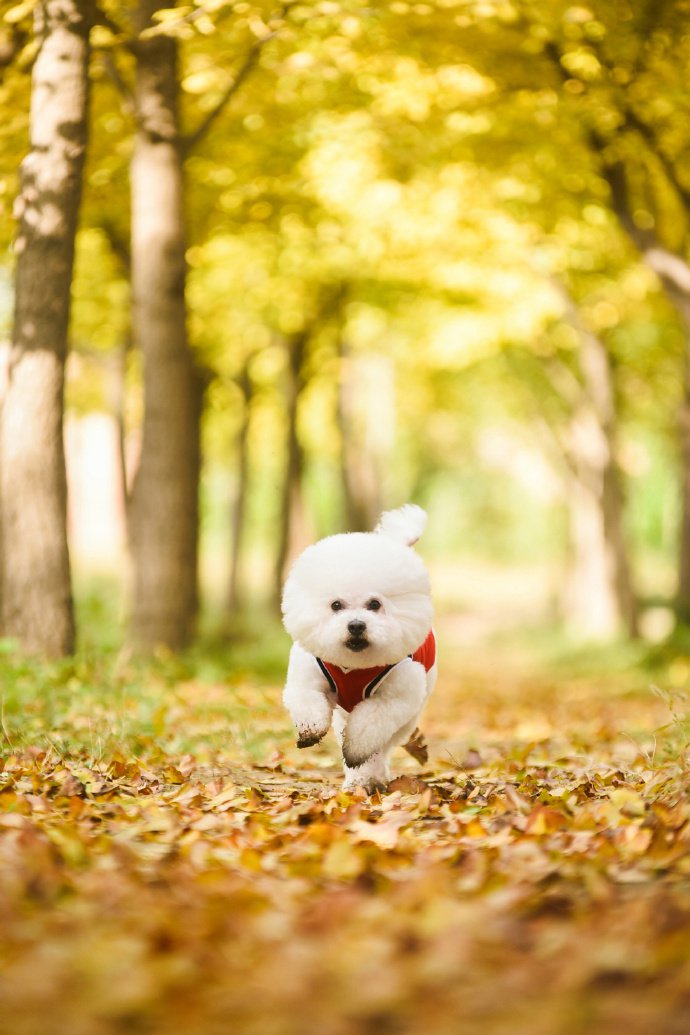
(373, 582)
(404, 525)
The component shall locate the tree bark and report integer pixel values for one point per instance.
(164, 516)
(672, 269)
(683, 589)
(599, 598)
(673, 272)
(36, 585)
(364, 418)
(291, 517)
(596, 368)
(239, 502)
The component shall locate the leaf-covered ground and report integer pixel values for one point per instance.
(170, 863)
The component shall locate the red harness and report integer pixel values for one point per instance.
(356, 684)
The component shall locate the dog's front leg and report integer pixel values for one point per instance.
(307, 698)
(375, 721)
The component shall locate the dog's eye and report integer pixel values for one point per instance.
(374, 605)
(337, 605)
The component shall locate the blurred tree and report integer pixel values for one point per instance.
(14, 35)
(293, 526)
(415, 153)
(163, 512)
(609, 109)
(598, 595)
(36, 586)
(291, 514)
(163, 507)
(600, 591)
(234, 603)
(364, 389)
(632, 81)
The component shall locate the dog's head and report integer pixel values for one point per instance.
(362, 598)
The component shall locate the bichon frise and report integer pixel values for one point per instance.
(358, 608)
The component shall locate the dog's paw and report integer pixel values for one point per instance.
(371, 784)
(308, 738)
(375, 787)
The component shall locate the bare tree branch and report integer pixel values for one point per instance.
(631, 121)
(250, 62)
(672, 269)
(192, 140)
(119, 243)
(164, 28)
(100, 17)
(11, 42)
(122, 86)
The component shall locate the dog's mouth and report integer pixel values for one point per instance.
(357, 643)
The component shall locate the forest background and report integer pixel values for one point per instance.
(266, 270)
(430, 252)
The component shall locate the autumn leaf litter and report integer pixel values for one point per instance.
(512, 887)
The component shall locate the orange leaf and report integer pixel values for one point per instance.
(544, 820)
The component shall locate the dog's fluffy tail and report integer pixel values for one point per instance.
(404, 525)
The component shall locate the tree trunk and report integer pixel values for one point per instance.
(366, 412)
(672, 268)
(598, 378)
(37, 595)
(599, 598)
(601, 581)
(589, 600)
(291, 518)
(674, 275)
(164, 515)
(673, 272)
(683, 591)
(239, 503)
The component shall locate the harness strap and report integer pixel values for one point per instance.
(354, 685)
(346, 695)
(329, 677)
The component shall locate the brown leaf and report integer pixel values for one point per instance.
(544, 820)
(472, 760)
(407, 785)
(417, 747)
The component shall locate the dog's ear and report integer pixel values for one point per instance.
(404, 525)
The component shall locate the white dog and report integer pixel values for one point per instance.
(358, 608)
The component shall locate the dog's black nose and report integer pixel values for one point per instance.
(356, 627)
